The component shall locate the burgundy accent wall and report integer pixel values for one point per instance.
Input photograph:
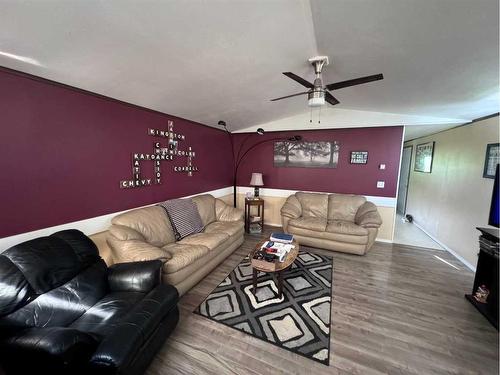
(64, 152)
(382, 143)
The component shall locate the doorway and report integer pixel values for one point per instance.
(407, 233)
(404, 179)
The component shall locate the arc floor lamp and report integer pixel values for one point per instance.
(243, 152)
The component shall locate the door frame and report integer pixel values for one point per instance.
(409, 174)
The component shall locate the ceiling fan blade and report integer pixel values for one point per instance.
(354, 82)
(298, 79)
(329, 98)
(290, 96)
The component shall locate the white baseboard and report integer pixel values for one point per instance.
(383, 240)
(451, 251)
(88, 226)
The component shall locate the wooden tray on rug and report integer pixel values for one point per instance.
(276, 266)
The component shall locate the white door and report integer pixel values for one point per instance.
(404, 178)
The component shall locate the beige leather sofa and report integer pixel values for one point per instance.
(146, 233)
(339, 222)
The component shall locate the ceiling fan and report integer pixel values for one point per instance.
(318, 93)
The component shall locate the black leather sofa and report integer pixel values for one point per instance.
(63, 311)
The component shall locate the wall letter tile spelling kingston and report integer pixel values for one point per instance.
(160, 154)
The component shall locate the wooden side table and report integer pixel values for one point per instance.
(249, 203)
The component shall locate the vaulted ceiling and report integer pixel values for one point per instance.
(222, 59)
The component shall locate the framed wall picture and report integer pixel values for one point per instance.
(424, 154)
(491, 160)
(359, 157)
(322, 154)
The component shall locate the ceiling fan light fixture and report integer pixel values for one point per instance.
(316, 102)
(316, 99)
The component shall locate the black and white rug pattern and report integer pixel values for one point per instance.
(299, 321)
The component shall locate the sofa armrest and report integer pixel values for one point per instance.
(55, 348)
(118, 350)
(292, 208)
(134, 276)
(224, 212)
(128, 245)
(367, 216)
(124, 233)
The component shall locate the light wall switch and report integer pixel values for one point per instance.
(380, 184)
(382, 166)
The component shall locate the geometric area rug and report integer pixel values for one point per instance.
(298, 322)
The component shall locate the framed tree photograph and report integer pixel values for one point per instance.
(323, 154)
(491, 160)
(423, 157)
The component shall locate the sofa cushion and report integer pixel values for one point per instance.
(182, 255)
(19, 292)
(227, 227)
(344, 206)
(44, 265)
(151, 222)
(62, 305)
(346, 227)
(311, 223)
(184, 217)
(210, 240)
(31, 345)
(313, 204)
(328, 237)
(101, 318)
(45, 262)
(206, 208)
(147, 314)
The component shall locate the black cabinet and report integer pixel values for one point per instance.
(485, 290)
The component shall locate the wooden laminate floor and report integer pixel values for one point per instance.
(397, 310)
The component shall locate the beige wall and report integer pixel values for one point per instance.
(454, 199)
(272, 216)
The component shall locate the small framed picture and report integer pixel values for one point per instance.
(359, 157)
(491, 160)
(423, 157)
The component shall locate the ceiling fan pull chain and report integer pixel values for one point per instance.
(310, 115)
(319, 116)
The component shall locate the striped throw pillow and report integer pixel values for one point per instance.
(184, 217)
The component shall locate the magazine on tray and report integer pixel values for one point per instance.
(277, 249)
(282, 237)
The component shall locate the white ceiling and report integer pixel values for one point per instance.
(222, 59)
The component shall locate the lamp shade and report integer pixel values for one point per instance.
(256, 180)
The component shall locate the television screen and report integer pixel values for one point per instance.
(494, 208)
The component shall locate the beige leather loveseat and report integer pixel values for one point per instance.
(146, 233)
(339, 222)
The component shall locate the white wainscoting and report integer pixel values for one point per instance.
(386, 205)
(267, 192)
(88, 226)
